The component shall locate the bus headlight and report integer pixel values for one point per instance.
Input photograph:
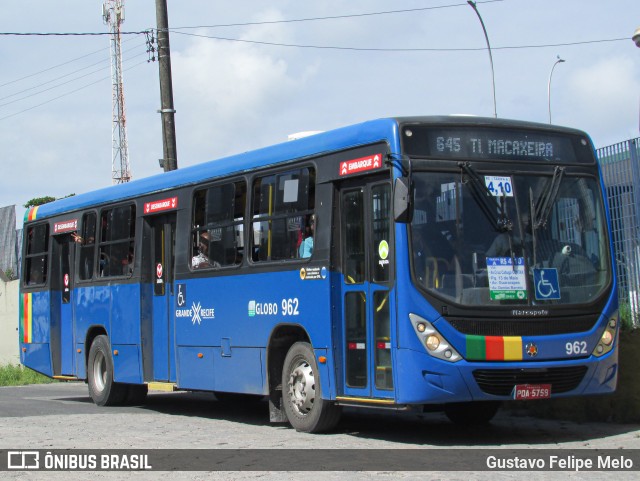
(432, 342)
(435, 344)
(608, 336)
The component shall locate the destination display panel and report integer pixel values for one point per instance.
(495, 144)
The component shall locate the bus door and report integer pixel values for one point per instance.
(62, 319)
(159, 263)
(368, 310)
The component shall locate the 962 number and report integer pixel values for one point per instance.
(576, 348)
(290, 307)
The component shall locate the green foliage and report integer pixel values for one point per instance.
(626, 319)
(43, 200)
(11, 375)
(38, 201)
(10, 274)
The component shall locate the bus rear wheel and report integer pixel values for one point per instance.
(472, 413)
(302, 392)
(102, 389)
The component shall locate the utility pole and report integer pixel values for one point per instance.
(113, 16)
(169, 160)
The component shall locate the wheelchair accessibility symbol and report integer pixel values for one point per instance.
(182, 295)
(546, 283)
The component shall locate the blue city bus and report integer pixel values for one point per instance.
(426, 263)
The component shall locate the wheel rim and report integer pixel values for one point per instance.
(99, 371)
(302, 388)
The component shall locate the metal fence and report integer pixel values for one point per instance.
(620, 164)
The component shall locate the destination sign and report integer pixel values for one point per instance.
(65, 226)
(495, 144)
(363, 164)
(161, 205)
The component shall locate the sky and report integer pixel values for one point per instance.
(238, 91)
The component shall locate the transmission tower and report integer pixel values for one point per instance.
(113, 15)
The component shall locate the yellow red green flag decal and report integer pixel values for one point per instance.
(31, 214)
(26, 318)
(494, 348)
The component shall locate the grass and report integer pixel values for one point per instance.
(11, 375)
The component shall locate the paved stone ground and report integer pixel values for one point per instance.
(60, 416)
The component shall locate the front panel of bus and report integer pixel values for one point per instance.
(510, 292)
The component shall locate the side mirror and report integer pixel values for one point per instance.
(402, 207)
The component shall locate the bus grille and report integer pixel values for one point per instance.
(524, 327)
(500, 382)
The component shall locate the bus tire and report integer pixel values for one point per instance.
(472, 413)
(102, 389)
(302, 392)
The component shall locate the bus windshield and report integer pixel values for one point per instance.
(516, 239)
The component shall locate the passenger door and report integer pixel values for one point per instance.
(62, 328)
(158, 260)
(368, 310)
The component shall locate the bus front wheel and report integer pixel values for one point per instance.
(302, 392)
(102, 389)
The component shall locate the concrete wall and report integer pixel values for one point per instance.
(9, 353)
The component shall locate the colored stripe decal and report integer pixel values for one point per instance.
(476, 348)
(21, 319)
(493, 348)
(512, 348)
(31, 214)
(27, 318)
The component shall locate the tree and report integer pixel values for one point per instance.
(43, 200)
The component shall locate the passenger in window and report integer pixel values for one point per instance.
(104, 264)
(201, 260)
(306, 246)
(127, 263)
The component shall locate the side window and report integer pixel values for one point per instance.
(283, 219)
(117, 233)
(37, 255)
(87, 246)
(218, 223)
(381, 235)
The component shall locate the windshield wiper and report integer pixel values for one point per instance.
(547, 199)
(487, 200)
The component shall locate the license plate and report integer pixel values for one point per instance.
(523, 392)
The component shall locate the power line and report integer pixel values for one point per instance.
(398, 49)
(67, 34)
(332, 17)
(69, 93)
(60, 84)
(100, 62)
(244, 24)
(57, 66)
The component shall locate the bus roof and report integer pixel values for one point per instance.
(359, 134)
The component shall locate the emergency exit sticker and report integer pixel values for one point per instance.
(362, 164)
